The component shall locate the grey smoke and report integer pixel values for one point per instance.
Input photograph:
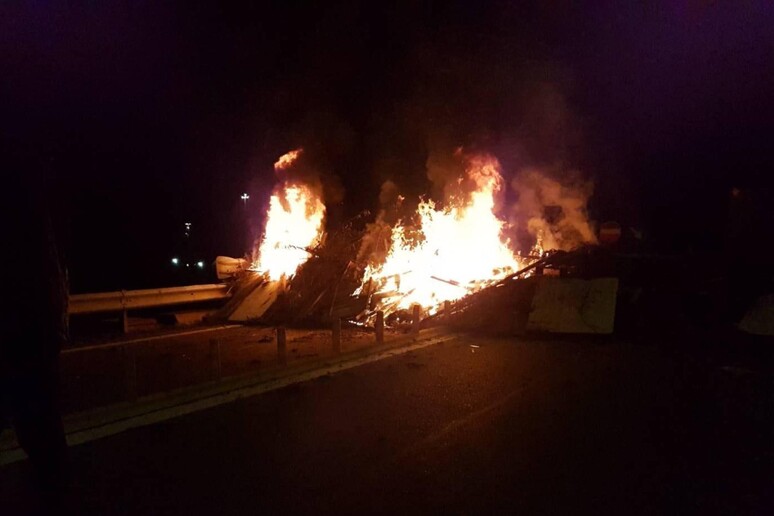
(553, 212)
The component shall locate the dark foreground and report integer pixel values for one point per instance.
(545, 427)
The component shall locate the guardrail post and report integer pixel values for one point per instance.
(281, 346)
(336, 335)
(379, 327)
(129, 365)
(124, 313)
(415, 319)
(447, 308)
(215, 366)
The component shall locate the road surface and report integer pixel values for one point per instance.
(471, 426)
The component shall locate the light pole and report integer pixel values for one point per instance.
(244, 198)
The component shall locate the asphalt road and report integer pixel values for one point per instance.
(546, 427)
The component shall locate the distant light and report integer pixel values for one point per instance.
(200, 264)
(175, 261)
(187, 264)
(244, 197)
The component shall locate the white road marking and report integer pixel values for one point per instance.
(151, 338)
(156, 416)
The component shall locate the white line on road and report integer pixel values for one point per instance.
(156, 416)
(458, 424)
(152, 338)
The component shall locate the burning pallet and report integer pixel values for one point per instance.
(322, 289)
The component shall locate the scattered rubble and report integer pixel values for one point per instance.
(569, 292)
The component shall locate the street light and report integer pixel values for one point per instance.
(244, 198)
(175, 261)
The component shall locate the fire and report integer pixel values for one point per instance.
(287, 159)
(294, 223)
(461, 247)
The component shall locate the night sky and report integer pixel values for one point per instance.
(151, 114)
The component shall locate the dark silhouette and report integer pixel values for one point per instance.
(34, 303)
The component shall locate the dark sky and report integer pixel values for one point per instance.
(151, 114)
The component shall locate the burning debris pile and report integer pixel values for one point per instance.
(319, 291)
(451, 252)
(455, 250)
(322, 288)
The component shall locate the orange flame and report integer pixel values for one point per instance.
(294, 223)
(462, 250)
(287, 159)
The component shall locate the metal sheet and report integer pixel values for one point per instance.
(569, 305)
(759, 319)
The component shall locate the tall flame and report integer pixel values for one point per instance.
(463, 247)
(294, 223)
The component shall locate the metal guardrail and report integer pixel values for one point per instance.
(132, 299)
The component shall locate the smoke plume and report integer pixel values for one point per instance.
(552, 212)
(376, 240)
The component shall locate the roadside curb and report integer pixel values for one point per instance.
(103, 422)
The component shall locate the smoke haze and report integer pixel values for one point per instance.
(552, 213)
